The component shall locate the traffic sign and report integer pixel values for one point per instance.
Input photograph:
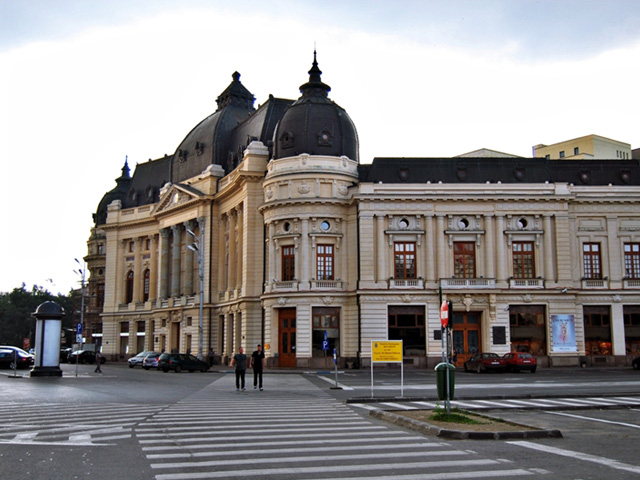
(444, 314)
(325, 342)
(79, 329)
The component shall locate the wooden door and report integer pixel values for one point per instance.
(287, 337)
(466, 335)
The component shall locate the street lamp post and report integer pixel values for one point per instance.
(197, 248)
(81, 272)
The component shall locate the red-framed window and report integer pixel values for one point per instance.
(632, 260)
(591, 261)
(288, 263)
(147, 281)
(324, 262)
(523, 260)
(464, 259)
(405, 259)
(129, 287)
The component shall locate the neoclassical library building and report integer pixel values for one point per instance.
(264, 227)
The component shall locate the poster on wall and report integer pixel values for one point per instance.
(563, 333)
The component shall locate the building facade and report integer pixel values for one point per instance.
(304, 249)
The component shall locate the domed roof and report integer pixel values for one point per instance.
(118, 193)
(207, 143)
(314, 124)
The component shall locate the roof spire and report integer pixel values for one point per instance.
(315, 86)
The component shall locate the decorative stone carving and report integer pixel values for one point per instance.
(282, 300)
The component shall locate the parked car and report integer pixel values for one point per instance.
(516, 361)
(64, 354)
(151, 360)
(9, 355)
(181, 361)
(85, 356)
(484, 362)
(636, 363)
(136, 361)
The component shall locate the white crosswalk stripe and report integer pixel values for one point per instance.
(538, 403)
(71, 425)
(219, 433)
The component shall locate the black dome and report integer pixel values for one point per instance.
(314, 124)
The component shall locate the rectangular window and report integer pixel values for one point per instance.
(464, 259)
(324, 261)
(597, 330)
(131, 246)
(632, 260)
(562, 154)
(288, 263)
(147, 244)
(576, 150)
(591, 261)
(405, 260)
(100, 249)
(523, 264)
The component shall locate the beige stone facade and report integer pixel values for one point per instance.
(308, 252)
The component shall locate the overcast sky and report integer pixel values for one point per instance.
(83, 84)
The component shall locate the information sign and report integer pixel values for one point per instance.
(386, 351)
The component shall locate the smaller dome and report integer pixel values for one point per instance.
(314, 124)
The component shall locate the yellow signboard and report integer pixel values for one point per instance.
(386, 350)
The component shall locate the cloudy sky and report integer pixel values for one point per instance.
(85, 84)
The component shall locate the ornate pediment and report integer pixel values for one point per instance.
(176, 196)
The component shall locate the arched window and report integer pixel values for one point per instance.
(147, 279)
(129, 291)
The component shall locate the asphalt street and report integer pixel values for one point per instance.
(135, 424)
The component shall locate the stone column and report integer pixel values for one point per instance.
(154, 268)
(188, 288)
(441, 247)
(305, 255)
(138, 278)
(163, 273)
(618, 346)
(430, 275)
(121, 277)
(501, 274)
(176, 250)
(239, 246)
(381, 244)
(232, 251)
(272, 254)
(222, 253)
(489, 245)
(548, 274)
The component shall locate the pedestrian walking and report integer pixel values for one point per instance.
(239, 360)
(98, 362)
(257, 363)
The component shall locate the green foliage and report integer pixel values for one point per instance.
(455, 416)
(16, 307)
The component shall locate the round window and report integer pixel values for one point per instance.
(403, 223)
(325, 225)
(463, 223)
(286, 227)
(522, 223)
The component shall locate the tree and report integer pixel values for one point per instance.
(16, 308)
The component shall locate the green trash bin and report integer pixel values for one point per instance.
(441, 380)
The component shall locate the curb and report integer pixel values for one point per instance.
(428, 429)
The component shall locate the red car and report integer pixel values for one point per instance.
(484, 362)
(516, 361)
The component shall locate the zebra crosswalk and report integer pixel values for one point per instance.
(70, 424)
(529, 403)
(295, 430)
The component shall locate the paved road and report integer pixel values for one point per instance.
(132, 424)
